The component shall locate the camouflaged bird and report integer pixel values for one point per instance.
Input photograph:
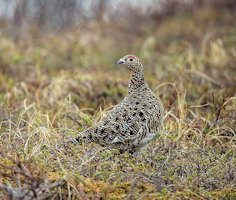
(134, 121)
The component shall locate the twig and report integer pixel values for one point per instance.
(28, 186)
(131, 192)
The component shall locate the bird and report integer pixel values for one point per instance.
(132, 123)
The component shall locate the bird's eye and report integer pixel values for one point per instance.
(131, 59)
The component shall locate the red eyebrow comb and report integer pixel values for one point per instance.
(131, 57)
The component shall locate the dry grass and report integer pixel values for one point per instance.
(53, 86)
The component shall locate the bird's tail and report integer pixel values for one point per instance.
(85, 136)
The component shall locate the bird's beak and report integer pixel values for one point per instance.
(121, 61)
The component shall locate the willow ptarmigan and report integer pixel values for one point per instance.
(134, 121)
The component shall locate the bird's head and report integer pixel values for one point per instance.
(131, 62)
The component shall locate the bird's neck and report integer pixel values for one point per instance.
(137, 81)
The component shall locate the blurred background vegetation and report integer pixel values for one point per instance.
(193, 40)
(58, 74)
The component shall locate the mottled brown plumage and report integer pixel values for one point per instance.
(134, 121)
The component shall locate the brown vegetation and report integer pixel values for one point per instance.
(53, 86)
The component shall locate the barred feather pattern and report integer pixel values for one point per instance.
(134, 121)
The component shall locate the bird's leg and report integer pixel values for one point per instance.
(135, 154)
(135, 151)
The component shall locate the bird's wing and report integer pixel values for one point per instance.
(122, 123)
(127, 132)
